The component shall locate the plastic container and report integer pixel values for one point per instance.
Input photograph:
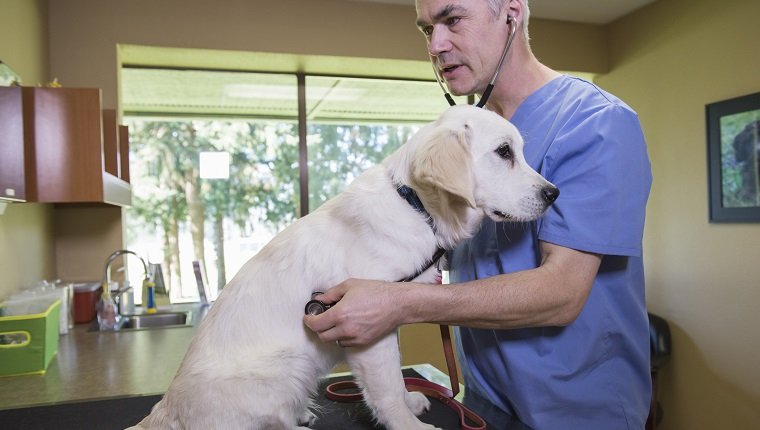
(86, 296)
(66, 322)
(29, 302)
(29, 342)
(38, 298)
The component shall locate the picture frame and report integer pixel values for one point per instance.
(8, 77)
(733, 156)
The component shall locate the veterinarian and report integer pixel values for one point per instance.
(553, 328)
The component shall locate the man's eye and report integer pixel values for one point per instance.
(454, 20)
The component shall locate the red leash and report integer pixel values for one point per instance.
(446, 396)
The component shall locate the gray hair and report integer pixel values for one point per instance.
(496, 5)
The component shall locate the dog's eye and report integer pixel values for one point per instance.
(505, 151)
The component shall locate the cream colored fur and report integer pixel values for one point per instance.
(253, 364)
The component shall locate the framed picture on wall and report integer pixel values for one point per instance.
(733, 156)
(7, 76)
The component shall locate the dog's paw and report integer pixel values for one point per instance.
(417, 402)
(307, 419)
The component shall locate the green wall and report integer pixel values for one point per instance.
(668, 61)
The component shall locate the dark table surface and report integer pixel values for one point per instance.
(118, 413)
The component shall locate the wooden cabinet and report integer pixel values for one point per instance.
(115, 146)
(73, 148)
(12, 159)
(110, 142)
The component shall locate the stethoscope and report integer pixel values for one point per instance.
(487, 93)
(316, 307)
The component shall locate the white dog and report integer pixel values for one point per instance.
(253, 364)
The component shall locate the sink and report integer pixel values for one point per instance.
(151, 321)
(157, 320)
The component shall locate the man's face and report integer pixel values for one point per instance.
(464, 40)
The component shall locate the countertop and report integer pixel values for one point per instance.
(96, 365)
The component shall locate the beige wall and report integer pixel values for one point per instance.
(26, 246)
(23, 39)
(84, 238)
(583, 47)
(668, 61)
(84, 33)
(26, 231)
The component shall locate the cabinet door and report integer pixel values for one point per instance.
(124, 153)
(12, 158)
(68, 143)
(110, 142)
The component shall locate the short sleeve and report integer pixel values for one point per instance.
(600, 164)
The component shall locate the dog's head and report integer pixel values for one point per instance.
(473, 158)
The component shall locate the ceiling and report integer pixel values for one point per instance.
(583, 11)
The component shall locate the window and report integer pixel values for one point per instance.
(354, 123)
(214, 157)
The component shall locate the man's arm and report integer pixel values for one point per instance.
(552, 294)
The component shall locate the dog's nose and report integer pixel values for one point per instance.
(550, 194)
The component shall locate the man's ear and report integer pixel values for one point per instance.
(444, 162)
(514, 8)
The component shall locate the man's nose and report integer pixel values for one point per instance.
(438, 42)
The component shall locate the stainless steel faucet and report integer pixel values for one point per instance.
(107, 273)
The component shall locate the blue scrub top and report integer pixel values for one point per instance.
(593, 373)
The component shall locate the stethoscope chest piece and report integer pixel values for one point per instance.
(316, 307)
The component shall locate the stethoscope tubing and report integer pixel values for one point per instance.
(487, 93)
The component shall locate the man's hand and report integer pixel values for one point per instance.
(362, 311)
(552, 294)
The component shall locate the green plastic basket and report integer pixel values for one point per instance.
(28, 342)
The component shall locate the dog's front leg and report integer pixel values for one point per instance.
(377, 369)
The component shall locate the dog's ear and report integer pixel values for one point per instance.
(444, 162)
